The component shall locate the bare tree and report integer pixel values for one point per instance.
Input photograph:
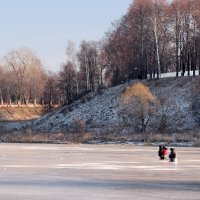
(52, 94)
(67, 83)
(139, 43)
(101, 63)
(28, 73)
(35, 81)
(186, 33)
(87, 57)
(71, 53)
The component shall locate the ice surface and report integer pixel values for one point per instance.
(100, 172)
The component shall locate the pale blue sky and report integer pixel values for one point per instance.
(45, 26)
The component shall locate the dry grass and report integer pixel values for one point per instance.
(76, 137)
(34, 138)
(29, 137)
(24, 138)
(20, 113)
(180, 137)
(57, 137)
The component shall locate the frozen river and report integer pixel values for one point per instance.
(96, 172)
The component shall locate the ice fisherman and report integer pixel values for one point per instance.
(162, 152)
(172, 155)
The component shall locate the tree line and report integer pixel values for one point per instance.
(153, 37)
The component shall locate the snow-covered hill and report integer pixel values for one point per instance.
(100, 111)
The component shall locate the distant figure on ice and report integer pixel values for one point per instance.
(162, 152)
(172, 155)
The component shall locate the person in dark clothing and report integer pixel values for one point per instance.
(160, 151)
(172, 155)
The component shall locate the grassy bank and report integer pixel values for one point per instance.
(191, 137)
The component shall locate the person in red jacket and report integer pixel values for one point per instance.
(163, 153)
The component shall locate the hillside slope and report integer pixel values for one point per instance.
(100, 112)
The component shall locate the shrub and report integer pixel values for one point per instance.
(139, 103)
(79, 130)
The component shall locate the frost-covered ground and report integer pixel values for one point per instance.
(100, 172)
(101, 111)
(98, 111)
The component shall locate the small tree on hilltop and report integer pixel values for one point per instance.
(139, 103)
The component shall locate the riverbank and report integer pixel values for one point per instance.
(187, 139)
